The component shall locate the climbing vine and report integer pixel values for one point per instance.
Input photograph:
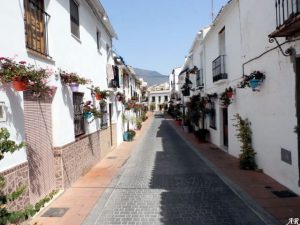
(244, 135)
(7, 216)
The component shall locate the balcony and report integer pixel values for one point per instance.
(218, 67)
(287, 18)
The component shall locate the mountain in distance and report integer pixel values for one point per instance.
(150, 76)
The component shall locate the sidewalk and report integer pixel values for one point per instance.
(257, 185)
(82, 196)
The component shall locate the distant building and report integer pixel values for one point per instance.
(158, 96)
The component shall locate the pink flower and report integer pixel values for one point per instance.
(22, 62)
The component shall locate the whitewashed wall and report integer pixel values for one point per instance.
(272, 110)
(68, 53)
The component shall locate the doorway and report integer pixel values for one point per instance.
(225, 127)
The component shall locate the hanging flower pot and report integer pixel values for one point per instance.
(87, 115)
(19, 85)
(98, 96)
(74, 87)
(229, 94)
(254, 83)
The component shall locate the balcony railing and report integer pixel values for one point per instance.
(219, 70)
(287, 18)
(36, 27)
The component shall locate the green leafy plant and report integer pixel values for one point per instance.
(88, 107)
(69, 78)
(36, 79)
(244, 135)
(152, 106)
(7, 145)
(256, 75)
(226, 97)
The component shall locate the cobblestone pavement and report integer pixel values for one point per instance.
(165, 182)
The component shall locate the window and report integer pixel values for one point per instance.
(212, 118)
(74, 16)
(159, 98)
(222, 48)
(153, 98)
(78, 113)
(166, 98)
(104, 117)
(36, 20)
(199, 78)
(98, 40)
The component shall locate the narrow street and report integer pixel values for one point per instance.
(165, 182)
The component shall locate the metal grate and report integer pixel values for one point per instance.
(218, 66)
(286, 10)
(284, 194)
(78, 113)
(55, 212)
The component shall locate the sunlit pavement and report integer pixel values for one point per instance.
(166, 182)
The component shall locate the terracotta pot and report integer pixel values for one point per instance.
(19, 85)
(229, 94)
(98, 96)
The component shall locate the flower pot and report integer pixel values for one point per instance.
(98, 96)
(19, 85)
(127, 136)
(186, 129)
(229, 94)
(178, 122)
(254, 84)
(74, 87)
(87, 115)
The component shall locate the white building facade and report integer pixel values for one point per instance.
(234, 46)
(74, 36)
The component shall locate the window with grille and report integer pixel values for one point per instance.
(104, 117)
(74, 16)
(78, 113)
(36, 21)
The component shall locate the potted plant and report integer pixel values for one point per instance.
(120, 97)
(134, 98)
(100, 94)
(186, 124)
(254, 80)
(73, 80)
(89, 111)
(226, 97)
(202, 134)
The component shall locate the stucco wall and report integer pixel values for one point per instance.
(271, 111)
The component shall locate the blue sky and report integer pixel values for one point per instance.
(157, 34)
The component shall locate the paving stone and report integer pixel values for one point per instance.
(165, 182)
